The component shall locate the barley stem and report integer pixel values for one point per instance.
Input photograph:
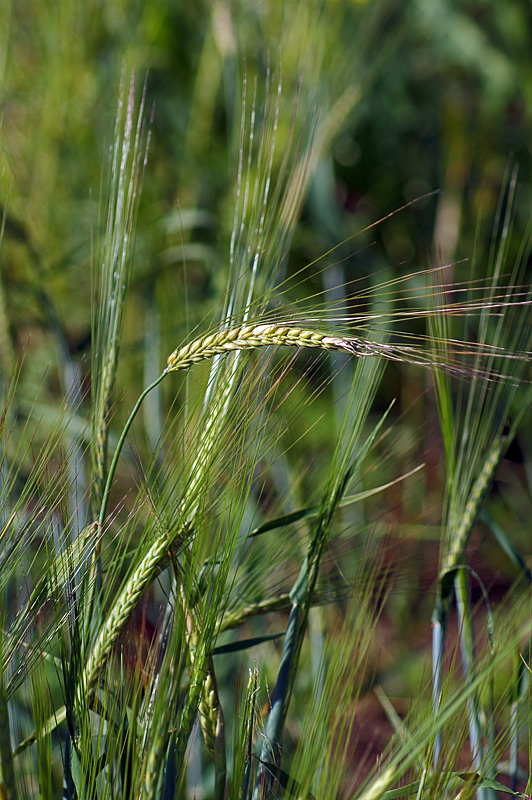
(120, 444)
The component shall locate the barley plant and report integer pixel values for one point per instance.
(266, 387)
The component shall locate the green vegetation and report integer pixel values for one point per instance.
(265, 347)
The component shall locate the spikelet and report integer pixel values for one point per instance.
(253, 336)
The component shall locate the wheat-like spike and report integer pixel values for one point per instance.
(253, 336)
(206, 714)
(210, 711)
(124, 606)
(477, 493)
(154, 765)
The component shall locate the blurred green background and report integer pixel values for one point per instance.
(414, 97)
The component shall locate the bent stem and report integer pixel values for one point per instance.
(94, 570)
(120, 444)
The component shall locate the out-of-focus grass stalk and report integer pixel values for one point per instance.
(7, 355)
(7, 784)
(467, 648)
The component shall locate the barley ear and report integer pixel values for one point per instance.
(210, 713)
(112, 272)
(250, 337)
(478, 491)
(124, 606)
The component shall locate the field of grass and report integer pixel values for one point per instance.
(265, 378)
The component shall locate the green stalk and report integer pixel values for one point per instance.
(271, 752)
(120, 444)
(7, 785)
(440, 616)
(94, 574)
(467, 649)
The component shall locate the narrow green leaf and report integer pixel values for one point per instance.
(246, 644)
(289, 784)
(505, 544)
